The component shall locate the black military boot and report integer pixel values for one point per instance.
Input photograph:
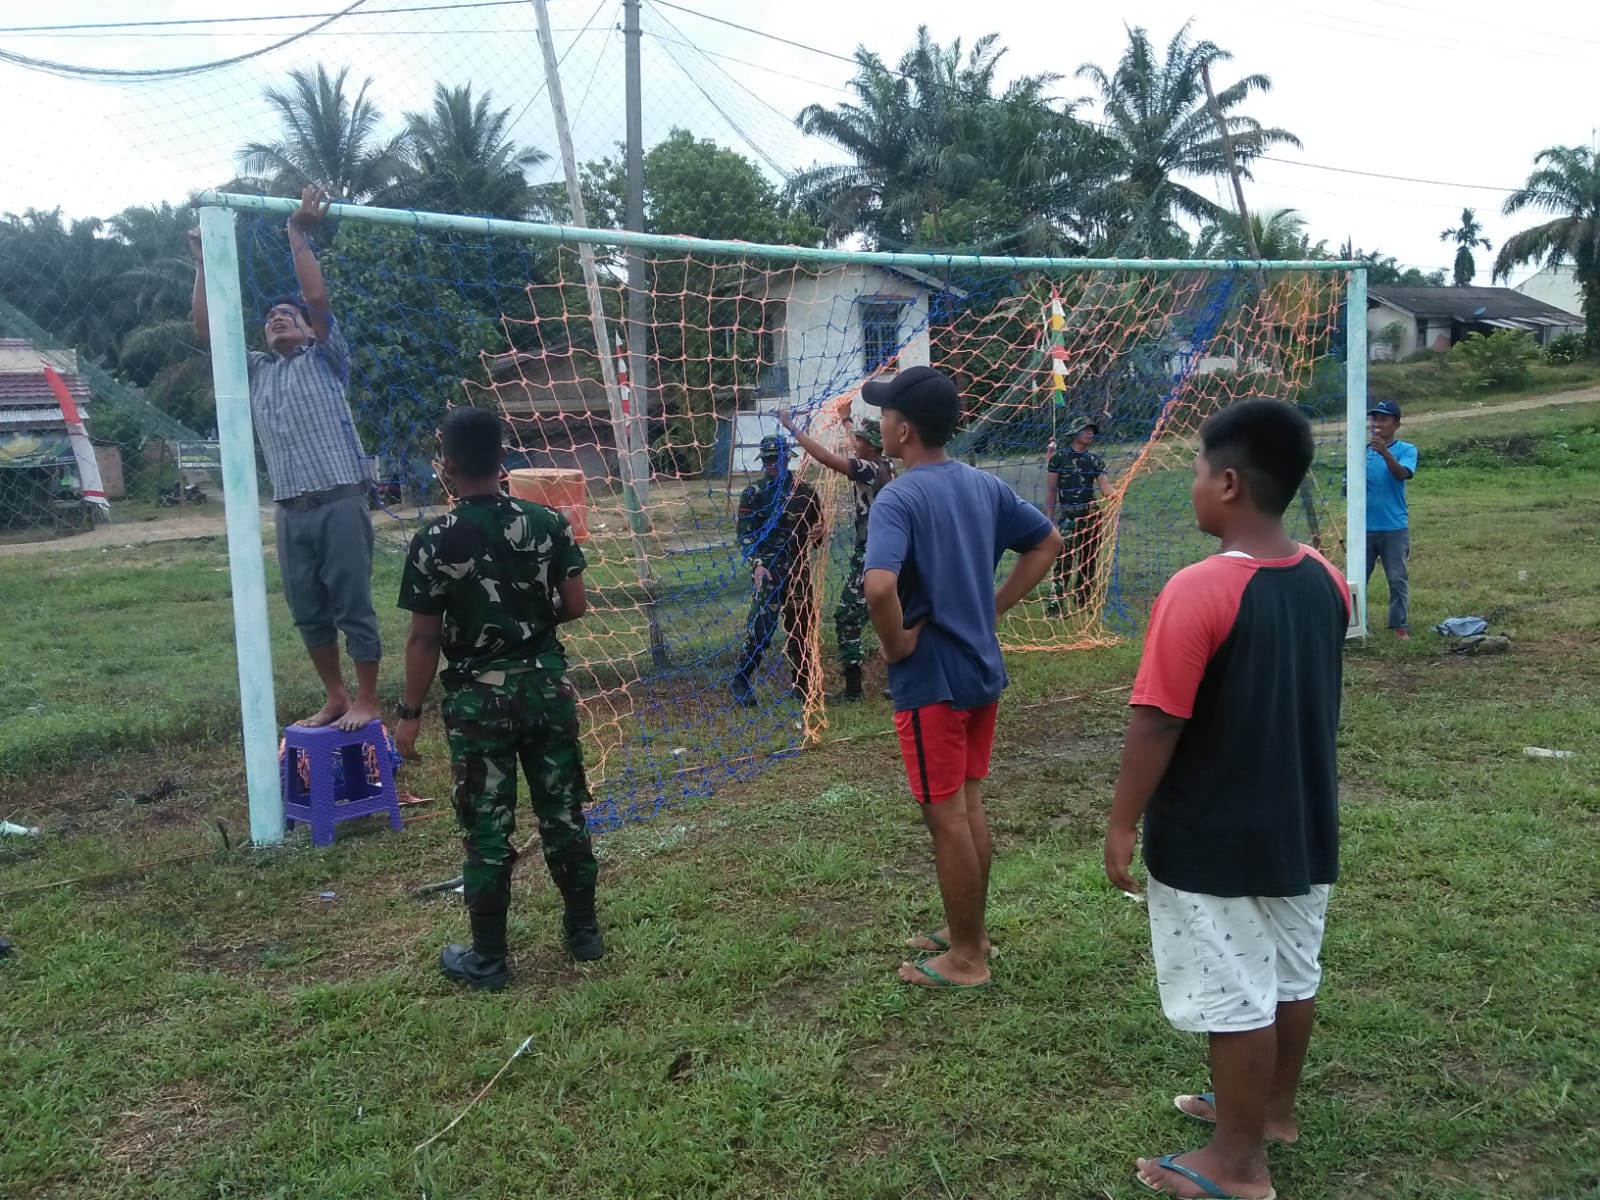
(482, 965)
(581, 926)
(852, 688)
(743, 692)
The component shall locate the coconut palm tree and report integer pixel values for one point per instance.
(1468, 237)
(460, 160)
(1565, 184)
(1154, 106)
(328, 138)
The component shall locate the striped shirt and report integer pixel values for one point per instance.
(303, 420)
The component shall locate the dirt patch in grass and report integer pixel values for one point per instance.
(164, 1129)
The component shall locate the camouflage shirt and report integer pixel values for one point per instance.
(490, 567)
(1076, 472)
(779, 517)
(869, 476)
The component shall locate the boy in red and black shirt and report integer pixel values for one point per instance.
(1230, 759)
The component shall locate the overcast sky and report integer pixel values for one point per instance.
(1441, 90)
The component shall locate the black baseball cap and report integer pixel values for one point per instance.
(919, 394)
(1385, 408)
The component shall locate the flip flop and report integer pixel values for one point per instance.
(940, 944)
(939, 981)
(1211, 1099)
(1211, 1189)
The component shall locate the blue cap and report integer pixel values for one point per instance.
(1385, 408)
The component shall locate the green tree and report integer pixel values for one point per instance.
(415, 338)
(327, 137)
(1384, 269)
(1156, 113)
(1565, 184)
(1468, 236)
(459, 158)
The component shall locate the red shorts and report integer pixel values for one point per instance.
(943, 747)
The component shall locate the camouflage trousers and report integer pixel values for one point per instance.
(791, 601)
(1081, 532)
(494, 722)
(850, 615)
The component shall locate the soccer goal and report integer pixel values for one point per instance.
(645, 426)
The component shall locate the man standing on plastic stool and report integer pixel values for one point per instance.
(1390, 463)
(320, 474)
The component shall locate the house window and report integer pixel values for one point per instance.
(880, 334)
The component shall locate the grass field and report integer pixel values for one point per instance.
(217, 1028)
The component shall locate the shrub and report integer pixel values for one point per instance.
(1501, 360)
(1564, 350)
(1392, 335)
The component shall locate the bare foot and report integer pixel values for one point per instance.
(944, 970)
(359, 715)
(1157, 1176)
(938, 942)
(1202, 1108)
(333, 710)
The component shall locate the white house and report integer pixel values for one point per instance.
(1556, 286)
(824, 330)
(1436, 318)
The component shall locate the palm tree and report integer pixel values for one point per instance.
(939, 157)
(1468, 237)
(328, 138)
(1278, 234)
(461, 161)
(1565, 183)
(1156, 113)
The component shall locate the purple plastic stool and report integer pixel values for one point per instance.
(330, 800)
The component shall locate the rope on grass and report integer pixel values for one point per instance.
(506, 1066)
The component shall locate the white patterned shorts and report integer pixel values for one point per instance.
(1225, 963)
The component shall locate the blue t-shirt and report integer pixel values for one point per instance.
(942, 529)
(1386, 495)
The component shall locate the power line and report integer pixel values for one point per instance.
(1261, 157)
(544, 83)
(137, 75)
(1476, 187)
(371, 12)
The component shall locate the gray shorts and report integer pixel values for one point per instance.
(325, 556)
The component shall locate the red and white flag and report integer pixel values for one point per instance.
(88, 466)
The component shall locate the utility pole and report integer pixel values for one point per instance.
(1308, 503)
(638, 520)
(638, 276)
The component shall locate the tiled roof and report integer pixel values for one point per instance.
(1469, 304)
(32, 385)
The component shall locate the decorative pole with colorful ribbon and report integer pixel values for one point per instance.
(1058, 360)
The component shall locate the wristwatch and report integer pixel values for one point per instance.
(406, 713)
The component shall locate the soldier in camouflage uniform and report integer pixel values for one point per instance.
(780, 520)
(488, 584)
(1075, 479)
(869, 471)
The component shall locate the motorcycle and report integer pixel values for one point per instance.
(181, 493)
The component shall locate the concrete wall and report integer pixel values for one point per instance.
(1380, 316)
(1557, 287)
(822, 337)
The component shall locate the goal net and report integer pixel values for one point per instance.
(1083, 387)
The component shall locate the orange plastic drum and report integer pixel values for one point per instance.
(566, 491)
